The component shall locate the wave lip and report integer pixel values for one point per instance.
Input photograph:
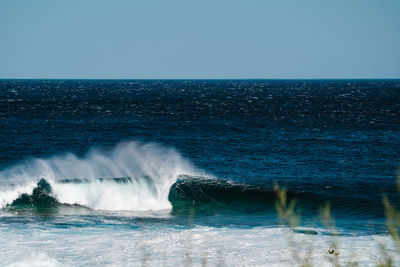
(206, 195)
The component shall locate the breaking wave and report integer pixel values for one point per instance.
(151, 169)
(140, 177)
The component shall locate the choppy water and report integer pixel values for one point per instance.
(166, 172)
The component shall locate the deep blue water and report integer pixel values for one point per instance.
(323, 140)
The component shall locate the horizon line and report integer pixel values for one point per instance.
(193, 79)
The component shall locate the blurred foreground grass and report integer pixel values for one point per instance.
(303, 255)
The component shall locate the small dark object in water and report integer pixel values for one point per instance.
(305, 232)
(332, 251)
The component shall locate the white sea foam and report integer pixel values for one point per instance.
(166, 246)
(35, 260)
(162, 165)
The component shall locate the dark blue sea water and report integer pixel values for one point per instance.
(143, 156)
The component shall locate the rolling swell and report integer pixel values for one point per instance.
(212, 196)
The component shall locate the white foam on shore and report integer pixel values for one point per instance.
(35, 260)
(166, 246)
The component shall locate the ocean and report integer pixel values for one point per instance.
(184, 172)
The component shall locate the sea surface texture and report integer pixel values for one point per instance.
(182, 172)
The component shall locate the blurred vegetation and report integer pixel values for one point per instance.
(291, 218)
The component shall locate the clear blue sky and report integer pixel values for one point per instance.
(199, 39)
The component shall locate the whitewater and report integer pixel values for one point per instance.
(169, 246)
